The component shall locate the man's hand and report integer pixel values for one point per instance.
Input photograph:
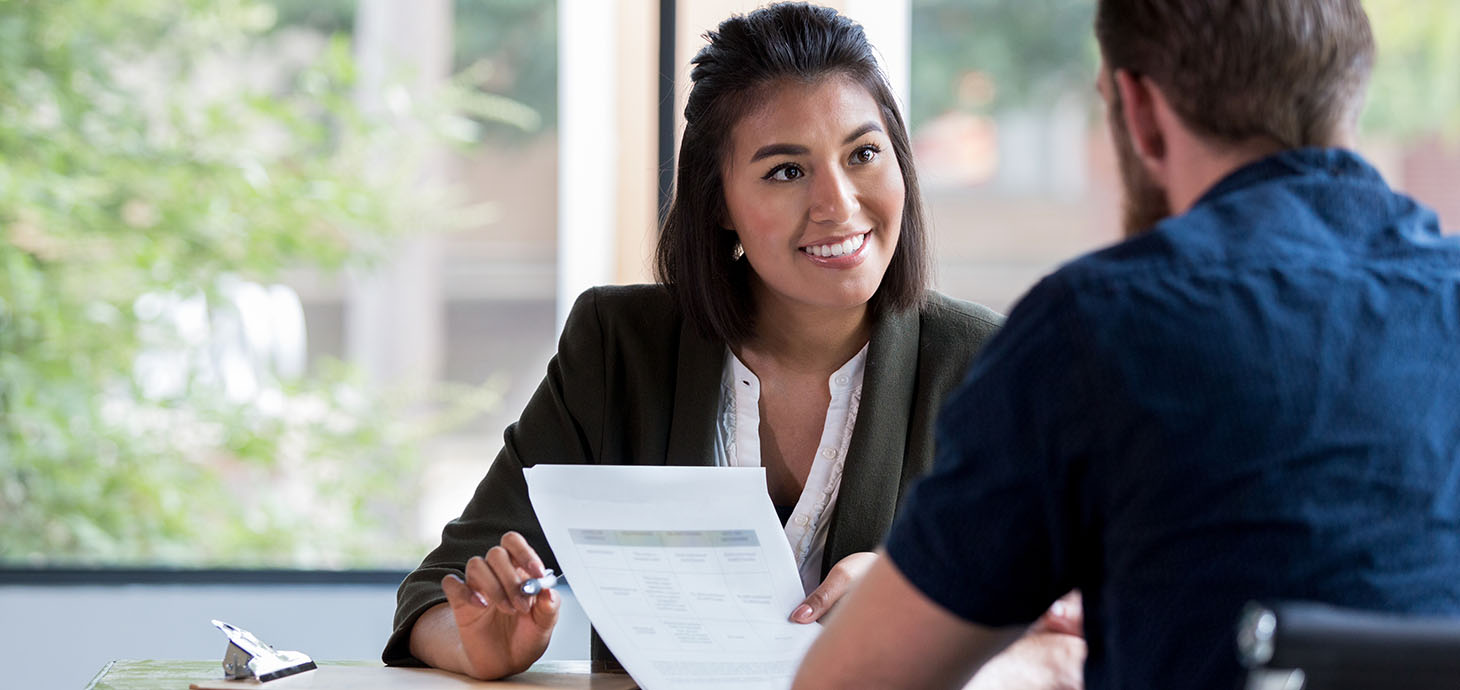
(1039, 660)
(888, 634)
(1064, 616)
(1050, 656)
(839, 580)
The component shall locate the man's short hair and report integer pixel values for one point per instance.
(1292, 70)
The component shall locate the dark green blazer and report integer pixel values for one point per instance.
(634, 384)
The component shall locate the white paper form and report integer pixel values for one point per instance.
(684, 571)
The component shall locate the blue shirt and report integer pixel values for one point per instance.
(1258, 399)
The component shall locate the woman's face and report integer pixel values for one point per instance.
(815, 194)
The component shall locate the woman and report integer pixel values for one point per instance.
(792, 330)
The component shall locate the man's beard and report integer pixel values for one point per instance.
(1145, 201)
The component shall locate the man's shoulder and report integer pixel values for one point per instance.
(1300, 210)
(1172, 242)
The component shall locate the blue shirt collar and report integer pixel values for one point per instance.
(1331, 162)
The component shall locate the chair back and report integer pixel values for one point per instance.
(1309, 646)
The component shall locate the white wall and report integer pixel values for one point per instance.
(59, 637)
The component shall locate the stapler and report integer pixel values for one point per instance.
(249, 657)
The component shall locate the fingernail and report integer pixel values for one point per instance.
(1058, 609)
(802, 613)
(482, 599)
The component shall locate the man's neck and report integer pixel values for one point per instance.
(1202, 164)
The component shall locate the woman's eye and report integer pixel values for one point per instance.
(785, 173)
(865, 154)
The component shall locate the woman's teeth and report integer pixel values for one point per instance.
(838, 248)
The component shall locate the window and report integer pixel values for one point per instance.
(237, 329)
(198, 366)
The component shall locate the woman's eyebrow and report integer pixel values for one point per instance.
(869, 127)
(797, 150)
(779, 150)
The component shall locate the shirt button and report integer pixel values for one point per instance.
(842, 380)
(829, 453)
(801, 520)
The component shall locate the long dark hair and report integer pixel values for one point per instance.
(747, 54)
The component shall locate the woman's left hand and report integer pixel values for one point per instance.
(840, 580)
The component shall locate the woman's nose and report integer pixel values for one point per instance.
(833, 198)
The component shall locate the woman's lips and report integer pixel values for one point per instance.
(848, 252)
(834, 249)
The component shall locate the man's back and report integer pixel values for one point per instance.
(1285, 384)
(1257, 399)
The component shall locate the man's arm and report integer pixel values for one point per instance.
(886, 634)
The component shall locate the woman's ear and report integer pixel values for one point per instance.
(722, 216)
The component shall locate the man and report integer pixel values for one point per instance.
(1255, 396)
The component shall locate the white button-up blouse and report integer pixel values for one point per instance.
(737, 444)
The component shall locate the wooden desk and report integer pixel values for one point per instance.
(357, 675)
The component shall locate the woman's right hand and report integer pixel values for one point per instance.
(502, 630)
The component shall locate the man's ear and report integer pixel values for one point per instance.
(1139, 101)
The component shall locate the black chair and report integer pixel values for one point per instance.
(1308, 646)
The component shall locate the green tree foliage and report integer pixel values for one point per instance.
(505, 53)
(1415, 88)
(511, 48)
(129, 175)
(984, 56)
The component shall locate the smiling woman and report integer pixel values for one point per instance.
(793, 330)
(818, 216)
